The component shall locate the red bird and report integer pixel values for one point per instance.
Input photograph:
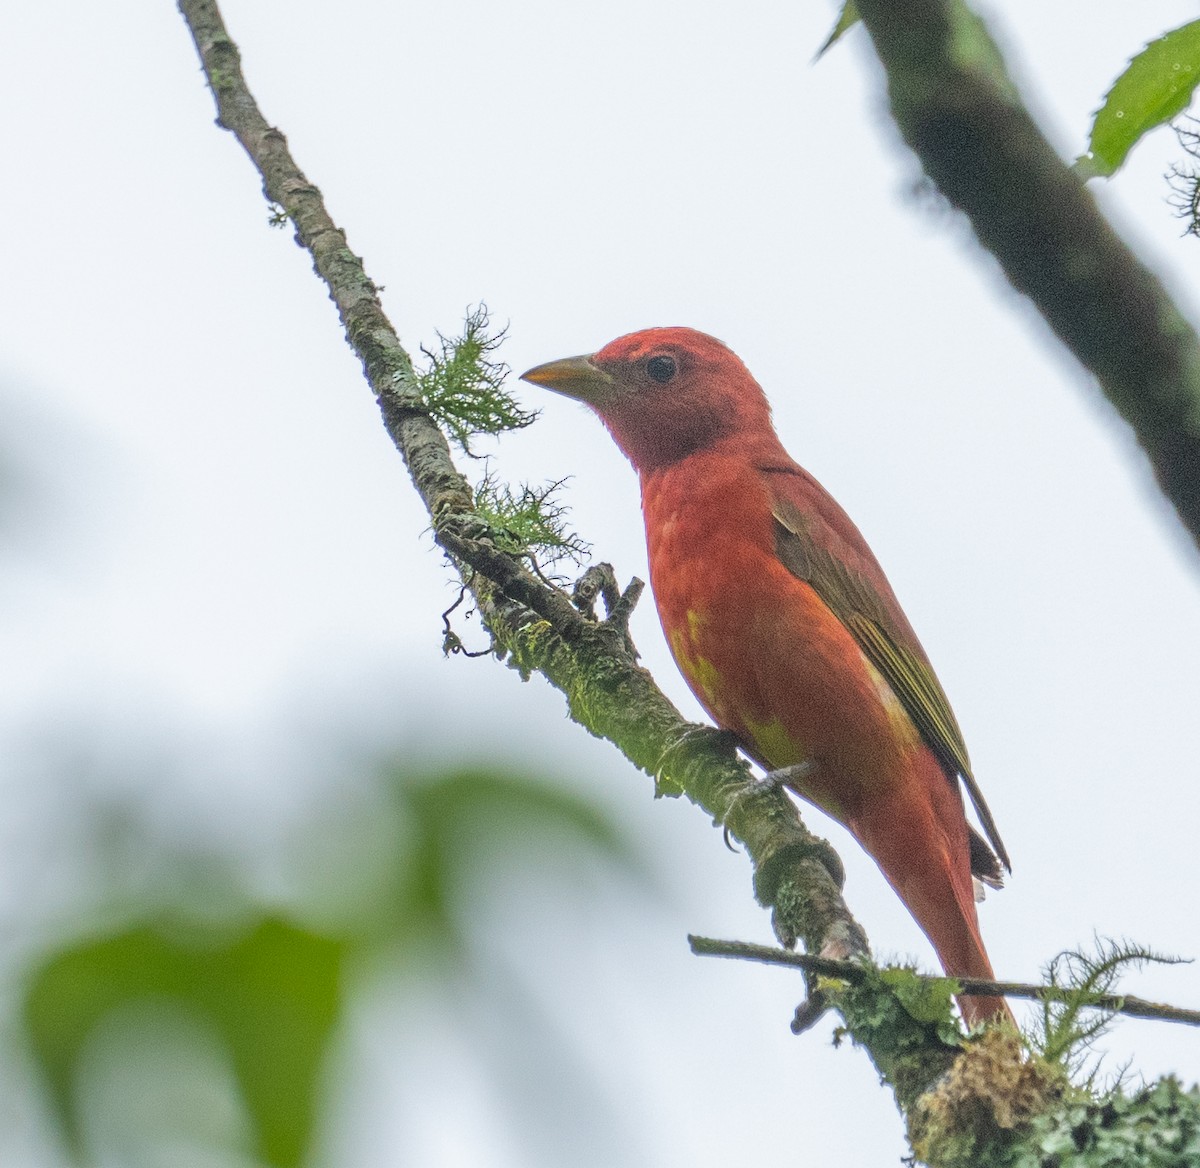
(787, 630)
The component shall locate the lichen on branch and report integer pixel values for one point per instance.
(462, 385)
(529, 521)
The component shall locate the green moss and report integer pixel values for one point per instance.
(905, 1022)
(528, 521)
(1155, 1127)
(529, 647)
(982, 1108)
(462, 385)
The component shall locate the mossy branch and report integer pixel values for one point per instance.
(592, 661)
(1000, 1100)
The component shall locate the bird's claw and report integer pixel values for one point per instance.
(782, 777)
(788, 776)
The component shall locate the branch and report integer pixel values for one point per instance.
(853, 972)
(592, 662)
(960, 113)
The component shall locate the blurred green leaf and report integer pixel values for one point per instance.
(272, 993)
(1157, 84)
(449, 814)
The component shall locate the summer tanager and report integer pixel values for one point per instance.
(787, 630)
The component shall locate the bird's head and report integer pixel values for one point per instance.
(663, 393)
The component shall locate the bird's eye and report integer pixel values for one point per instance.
(661, 369)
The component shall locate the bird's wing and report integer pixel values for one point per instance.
(817, 542)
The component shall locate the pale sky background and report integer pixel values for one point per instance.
(216, 553)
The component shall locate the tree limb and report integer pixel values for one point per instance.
(960, 113)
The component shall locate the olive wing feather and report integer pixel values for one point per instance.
(888, 642)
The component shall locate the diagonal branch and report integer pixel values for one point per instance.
(592, 662)
(960, 113)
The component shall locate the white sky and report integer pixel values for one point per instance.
(218, 542)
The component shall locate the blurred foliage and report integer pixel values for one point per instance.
(847, 18)
(271, 993)
(454, 817)
(1156, 85)
(270, 989)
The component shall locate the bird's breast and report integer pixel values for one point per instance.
(761, 651)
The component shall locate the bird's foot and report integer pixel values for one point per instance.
(788, 776)
(693, 737)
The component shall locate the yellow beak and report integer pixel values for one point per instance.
(574, 377)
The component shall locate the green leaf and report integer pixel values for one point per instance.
(271, 993)
(1157, 85)
(847, 19)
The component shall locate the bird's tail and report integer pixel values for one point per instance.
(920, 841)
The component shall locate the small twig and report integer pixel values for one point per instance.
(599, 580)
(620, 612)
(853, 971)
(451, 641)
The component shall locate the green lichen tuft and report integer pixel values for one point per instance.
(528, 521)
(1071, 1020)
(462, 386)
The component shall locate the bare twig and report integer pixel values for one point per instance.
(852, 971)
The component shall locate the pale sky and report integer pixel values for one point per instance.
(217, 541)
